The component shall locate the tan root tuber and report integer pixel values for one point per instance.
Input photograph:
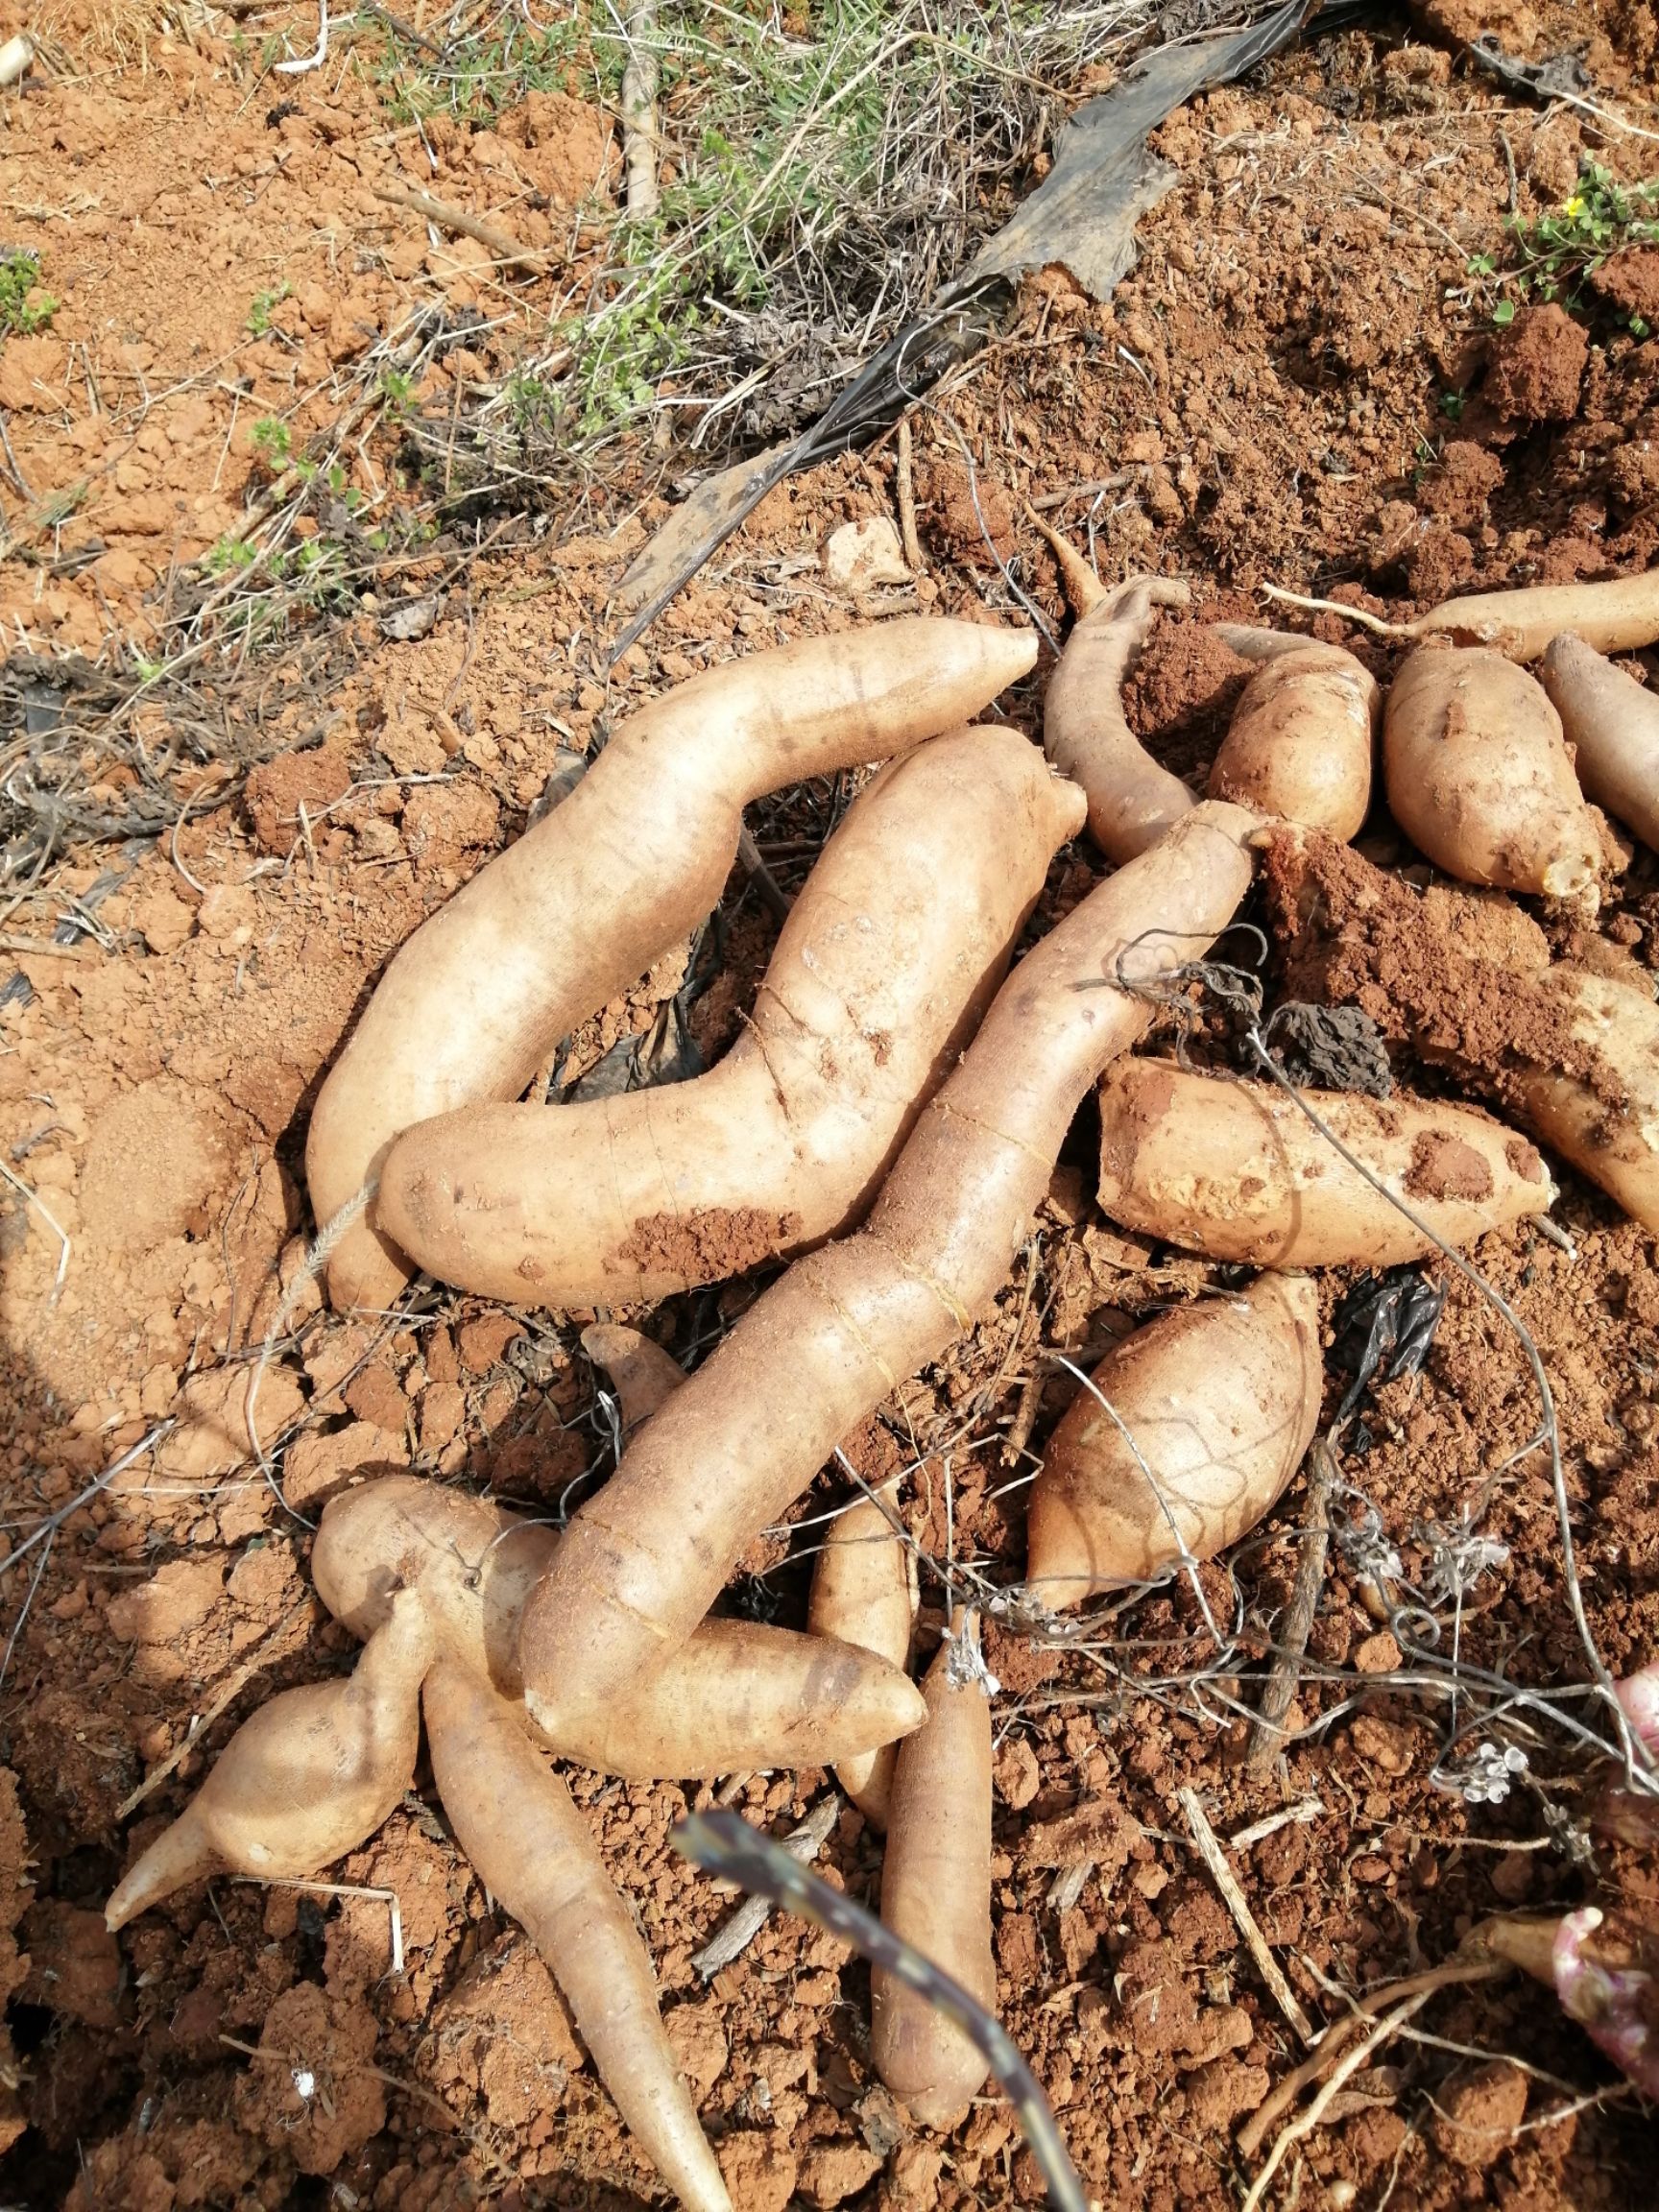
(1237, 1170)
(886, 962)
(1301, 740)
(1480, 779)
(309, 1777)
(740, 1697)
(632, 860)
(1087, 736)
(1612, 724)
(864, 1591)
(531, 1848)
(643, 1561)
(936, 1888)
(1207, 1413)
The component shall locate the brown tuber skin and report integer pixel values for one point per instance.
(1301, 740)
(633, 859)
(1237, 1170)
(936, 1888)
(887, 960)
(532, 1850)
(1612, 724)
(740, 1697)
(1131, 800)
(309, 1777)
(642, 1562)
(1215, 1402)
(864, 1593)
(1481, 781)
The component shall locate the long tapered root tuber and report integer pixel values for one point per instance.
(936, 1888)
(642, 1562)
(1087, 736)
(1612, 724)
(633, 859)
(889, 957)
(530, 1848)
(864, 1591)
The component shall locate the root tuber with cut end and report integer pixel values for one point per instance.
(642, 1562)
(936, 1888)
(634, 857)
(532, 1850)
(1208, 1411)
(1604, 1969)
(1237, 1170)
(1612, 724)
(309, 1777)
(740, 1696)
(864, 1593)
(1084, 733)
(886, 963)
(1480, 779)
(1301, 740)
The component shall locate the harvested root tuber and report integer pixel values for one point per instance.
(642, 1562)
(634, 857)
(740, 1696)
(1237, 1170)
(1606, 1124)
(1612, 724)
(309, 1777)
(864, 1593)
(1480, 779)
(642, 1375)
(1207, 1412)
(936, 1888)
(531, 1848)
(1613, 617)
(1084, 733)
(888, 959)
(1301, 740)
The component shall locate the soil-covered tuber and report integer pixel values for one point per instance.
(864, 1591)
(1612, 724)
(1087, 736)
(936, 1888)
(1237, 1170)
(1301, 740)
(740, 1697)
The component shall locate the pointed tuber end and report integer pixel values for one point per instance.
(180, 1854)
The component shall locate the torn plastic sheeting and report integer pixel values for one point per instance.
(1081, 217)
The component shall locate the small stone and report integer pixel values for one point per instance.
(1377, 1654)
(1015, 1773)
(861, 555)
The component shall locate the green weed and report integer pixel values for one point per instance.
(24, 309)
(259, 314)
(1556, 255)
(272, 441)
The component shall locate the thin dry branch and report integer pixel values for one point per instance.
(512, 252)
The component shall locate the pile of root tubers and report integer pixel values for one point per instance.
(889, 1124)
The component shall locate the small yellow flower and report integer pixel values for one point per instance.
(1574, 205)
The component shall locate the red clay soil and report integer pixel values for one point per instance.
(1300, 383)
